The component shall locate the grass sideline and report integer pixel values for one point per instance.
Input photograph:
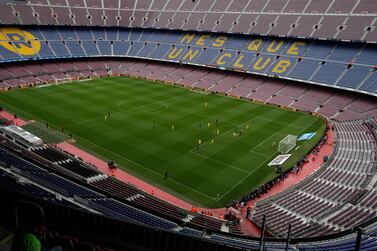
(48, 135)
(155, 128)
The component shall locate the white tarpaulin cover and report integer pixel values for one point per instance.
(279, 160)
(24, 135)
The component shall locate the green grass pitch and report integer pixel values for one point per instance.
(155, 128)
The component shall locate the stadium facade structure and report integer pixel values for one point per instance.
(326, 47)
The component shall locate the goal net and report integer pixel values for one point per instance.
(287, 144)
(62, 80)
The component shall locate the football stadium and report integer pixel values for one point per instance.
(188, 125)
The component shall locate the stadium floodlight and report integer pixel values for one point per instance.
(287, 144)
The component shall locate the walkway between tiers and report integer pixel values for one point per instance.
(10, 117)
(247, 227)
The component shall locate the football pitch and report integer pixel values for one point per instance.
(213, 148)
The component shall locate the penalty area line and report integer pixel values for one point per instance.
(236, 185)
(220, 162)
(276, 133)
(261, 154)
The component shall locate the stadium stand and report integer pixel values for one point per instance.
(330, 200)
(308, 19)
(352, 67)
(337, 105)
(70, 189)
(317, 56)
(128, 196)
(132, 233)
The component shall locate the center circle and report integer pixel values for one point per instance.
(142, 106)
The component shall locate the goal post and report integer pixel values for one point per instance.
(63, 80)
(287, 144)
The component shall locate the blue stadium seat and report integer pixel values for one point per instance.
(158, 37)
(60, 49)
(147, 50)
(135, 48)
(36, 32)
(67, 34)
(75, 48)
(62, 185)
(368, 55)
(104, 48)
(124, 35)
(120, 48)
(329, 73)
(99, 34)
(160, 51)
(304, 69)
(50, 34)
(9, 182)
(112, 34)
(173, 37)
(135, 35)
(370, 84)
(146, 36)
(354, 76)
(45, 51)
(90, 48)
(122, 211)
(319, 50)
(260, 60)
(179, 50)
(274, 69)
(206, 57)
(84, 34)
(305, 59)
(301, 48)
(249, 59)
(238, 42)
(344, 52)
(281, 45)
(8, 55)
(11, 160)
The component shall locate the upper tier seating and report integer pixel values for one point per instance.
(337, 19)
(338, 65)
